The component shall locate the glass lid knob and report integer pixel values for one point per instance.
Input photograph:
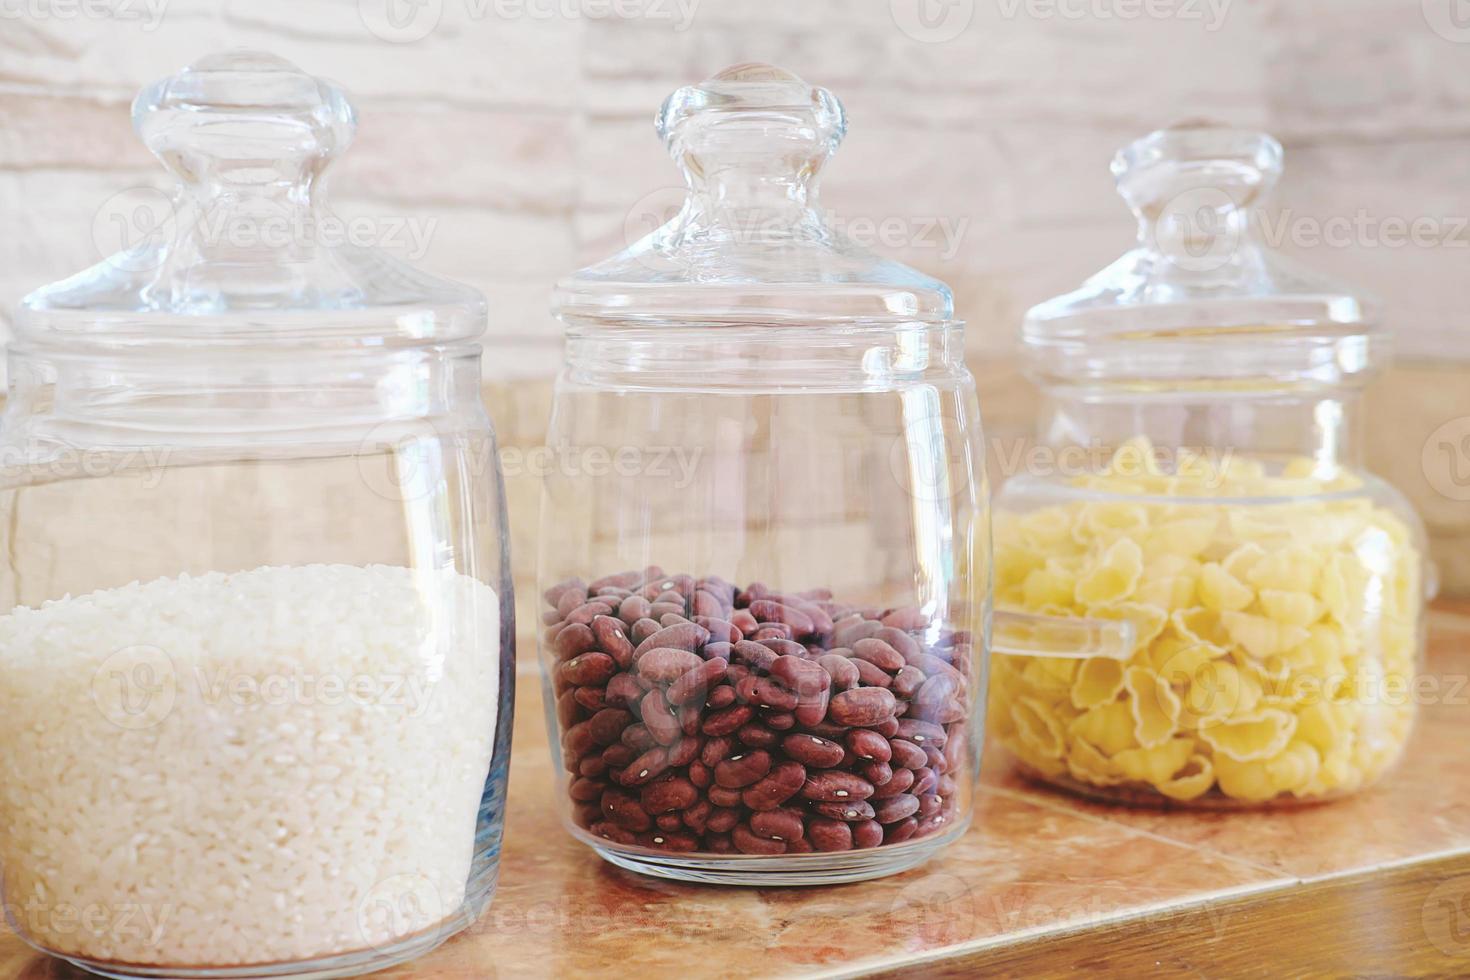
(247, 249)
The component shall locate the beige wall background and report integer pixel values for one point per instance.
(515, 135)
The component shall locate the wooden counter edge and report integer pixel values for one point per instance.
(1405, 920)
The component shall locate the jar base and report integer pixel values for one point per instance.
(353, 964)
(830, 868)
(1137, 798)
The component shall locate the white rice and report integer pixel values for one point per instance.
(223, 770)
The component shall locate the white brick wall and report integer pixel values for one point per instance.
(526, 135)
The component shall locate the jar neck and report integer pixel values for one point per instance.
(1274, 427)
(242, 403)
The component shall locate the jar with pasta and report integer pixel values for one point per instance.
(1196, 483)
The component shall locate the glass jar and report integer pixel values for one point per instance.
(256, 673)
(762, 662)
(1200, 479)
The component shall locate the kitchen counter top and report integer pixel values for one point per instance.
(1042, 883)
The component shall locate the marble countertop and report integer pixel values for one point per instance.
(1041, 883)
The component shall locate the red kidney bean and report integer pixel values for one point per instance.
(612, 639)
(862, 706)
(696, 817)
(690, 716)
(744, 621)
(878, 653)
(665, 664)
(681, 636)
(720, 697)
(907, 681)
(719, 628)
(579, 739)
(669, 794)
(611, 831)
(887, 729)
(896, 808)
(803, 678)
(757, 735)
(594, 699)
(925, 781)
(659, 719)
(694, 684)
(848, 631)
(844, 672)
(669, 822)
(700, 775)
(722, 819)
(570, 600)
(716, 748)
(802, 846)
(869, 745)
(717, 650)
(835, 786)
(813, 751)
(811, 711)
(633, 609)
(907, 754)
(921, 733)
(568, 709)
(739, 771)
(785, 648)
(746, 842)
(936, 758)
(780, 824)
(877, 773)
(867, 833)
(621, 580)
(723, 797)
(584, 790)
(574, 640)
(931, 824)
(646, 768)
(618, 756)
(727, 720)
(857, 810)
(929, 806)
(669, 841)
(608, 724)
(668, 613)
(901, 831)
(593, 765)
(719, 844)
(954, 748)
(587, 612)
(871, 674)
(702, 603)
(829, 835)
(782, 783)
(555, 592)
(901, 782)
(753, 654)
(624, 811)
(684, 751)
(770, 611)
(587, 668)
(622, 690)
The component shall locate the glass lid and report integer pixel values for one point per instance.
(245, 251)
(751, 244)
(1202, 296)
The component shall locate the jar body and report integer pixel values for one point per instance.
(763, 652)
(1276, 594)
(260, 650)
